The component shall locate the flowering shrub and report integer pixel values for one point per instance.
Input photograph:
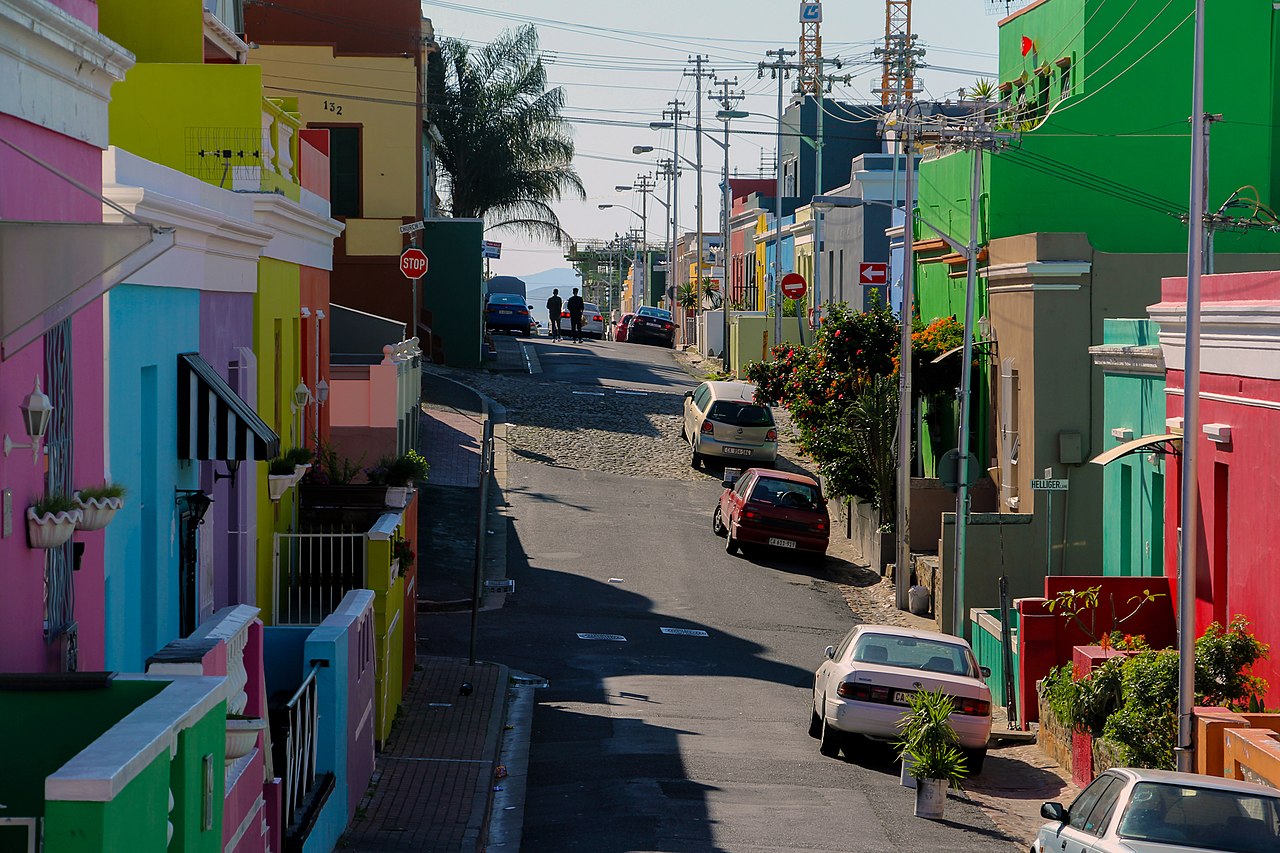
(927, 343)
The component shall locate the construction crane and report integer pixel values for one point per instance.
(897, 85)
(810, 47)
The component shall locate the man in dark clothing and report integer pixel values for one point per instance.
(575, 316)
(554, 305)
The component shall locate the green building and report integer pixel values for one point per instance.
(1079, 221)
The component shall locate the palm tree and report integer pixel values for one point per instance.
(505, 150)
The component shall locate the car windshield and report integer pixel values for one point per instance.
(914, 653)
(1202, 818)
(506, 299)
(740, 414)
(660, 313)
(590, 308)
(786, 493)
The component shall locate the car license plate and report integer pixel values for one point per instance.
(782, 543)
(901, 697)
(737, 451)
(504, 312)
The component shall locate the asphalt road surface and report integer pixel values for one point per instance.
(674, 741)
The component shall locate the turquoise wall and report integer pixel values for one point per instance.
(1133, 486)
(148, 327)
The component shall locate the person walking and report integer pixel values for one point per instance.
(575, 315)
(554, 306)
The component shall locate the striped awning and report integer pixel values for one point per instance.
(213, 421)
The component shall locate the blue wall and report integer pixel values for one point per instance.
(148, 327)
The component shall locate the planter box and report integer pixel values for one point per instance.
(361, 496)
(51, 530)
(97, 513)
(278, 484)
(242, 736)
(398, 496)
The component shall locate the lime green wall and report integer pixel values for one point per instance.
(44, 730)
(155, 30)
(277, 347)
(167, 113)
(135, 820)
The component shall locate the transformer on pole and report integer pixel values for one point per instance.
(898, 77)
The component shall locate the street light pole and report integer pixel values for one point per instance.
(727, 114)
(902, 558)
(779, 67)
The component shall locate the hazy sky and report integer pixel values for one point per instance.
(622, 62)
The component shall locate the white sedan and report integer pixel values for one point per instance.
(1126, 810)
(864, 687)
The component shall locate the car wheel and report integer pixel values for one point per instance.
(717, 522)
(974, 759)
(730, 544)
(829, 740)
(815, 723)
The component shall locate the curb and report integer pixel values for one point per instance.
(531, 359)
(506, 825)
(482, 798)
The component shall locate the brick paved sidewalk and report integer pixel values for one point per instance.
(451, 443)
(435, 776)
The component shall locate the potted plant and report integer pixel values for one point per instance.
(300, 458)
(51, 520)
(242, 735)
(280, 476)
(98, 505)
(398, 474)
(931, 746)
(402, 552)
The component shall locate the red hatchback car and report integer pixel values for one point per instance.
(620, 328)
(776, 509)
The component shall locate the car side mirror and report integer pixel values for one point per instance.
(830, 652)
(1054, 811)
(985, 670)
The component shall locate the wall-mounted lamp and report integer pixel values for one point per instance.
(197, 502)
(301, 396)
(37, 409)
(233, 465)
(322, 392)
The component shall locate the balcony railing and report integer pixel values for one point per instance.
(311, 572)
(294, 726)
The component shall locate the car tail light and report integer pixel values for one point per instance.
(771, 435)
(751, 514)
(864, 692)
(667, 325)
(564, 314)
(820, 526)
(973, 707)
(708, 428)
(598, 319)
(522, 312)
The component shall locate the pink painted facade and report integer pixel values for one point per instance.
(30, 192)
(1239, 445)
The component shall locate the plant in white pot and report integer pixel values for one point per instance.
(98, 505)
(280, 476)
(932, 747)
(51, 520)
(399, 475)
(300, 458)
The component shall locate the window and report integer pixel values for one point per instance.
(740, 414)
(1100, 815)
(1065, 81)
(701, 396)
(1078, 814)
(344, 171)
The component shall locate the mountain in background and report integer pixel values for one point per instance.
(541, 284)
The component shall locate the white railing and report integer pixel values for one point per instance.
(231, 625)
(300, 748)
(311, 572)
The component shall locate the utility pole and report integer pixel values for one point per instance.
(1190, 538)
(728, 100)
(670, 170)
(824, 84)
(698, 74)
(675, 113)
(644, 186)
(780, 69)
(978, 138)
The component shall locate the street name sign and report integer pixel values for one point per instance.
(490, 249)
(794, 285)
(412, 226)
(873, 273)
(413, 263)
(1049, 485)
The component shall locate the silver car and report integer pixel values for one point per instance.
(1127, 810)
(722, 420)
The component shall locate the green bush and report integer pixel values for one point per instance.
(54, 503)
(279, 467)
(298, 455)
(102, 492)
(398, 470)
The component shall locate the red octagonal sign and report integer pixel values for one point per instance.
(413, 263)
(793, 285)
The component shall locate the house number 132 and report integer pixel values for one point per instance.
(333, 107)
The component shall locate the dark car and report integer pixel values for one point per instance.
(621, 327)
(774, 509)
(507, 312)
(652, 326)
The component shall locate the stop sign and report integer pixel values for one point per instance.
(793, 285)
(413, 262)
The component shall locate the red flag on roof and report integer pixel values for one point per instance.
(1027, 45)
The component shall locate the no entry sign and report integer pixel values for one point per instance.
(873, 273)
(793, 285)
(413, 263)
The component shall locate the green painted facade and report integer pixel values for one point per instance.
(1133, 486)
(136, 820)
(451, 294)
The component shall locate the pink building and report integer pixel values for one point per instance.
(57, 259)
(1239, 444)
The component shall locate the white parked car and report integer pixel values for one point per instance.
(864, 687)
(722, 420)
(592, 322)
(1127, 810)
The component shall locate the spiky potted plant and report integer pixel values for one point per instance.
(300, 458)
(932, 747)
(51, 520)
(98, 505)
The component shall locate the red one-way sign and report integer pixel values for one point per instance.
(873, 273)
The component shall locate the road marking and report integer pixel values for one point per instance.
(685, 632)
(615, 580)
(634, 393)
(613, 638)
(589, 393)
